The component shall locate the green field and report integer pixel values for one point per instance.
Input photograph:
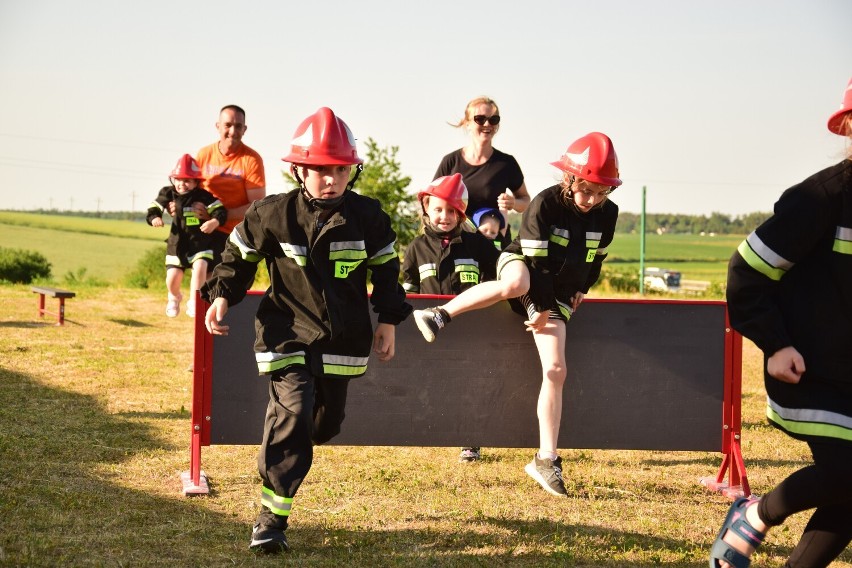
(695, 257)
(108, 249)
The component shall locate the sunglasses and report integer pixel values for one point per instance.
(481, 119)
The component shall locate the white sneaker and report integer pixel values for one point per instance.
(173, 307)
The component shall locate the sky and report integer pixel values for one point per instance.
(712, 106)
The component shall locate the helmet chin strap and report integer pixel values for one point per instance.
(326, 204)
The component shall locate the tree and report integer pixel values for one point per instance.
(383, 180)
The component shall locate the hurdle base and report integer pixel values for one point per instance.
(730, 491)
(190, 488)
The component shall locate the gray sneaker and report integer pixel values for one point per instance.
(430, 321)
(468, 455)
(268, 539)
(548, 473)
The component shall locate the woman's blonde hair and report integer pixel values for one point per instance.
(468, 110)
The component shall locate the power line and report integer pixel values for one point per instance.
(87, 142)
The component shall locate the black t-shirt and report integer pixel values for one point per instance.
(485, 182)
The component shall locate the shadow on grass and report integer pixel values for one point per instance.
(35, 324)
(129, 322)
(64, 500)
(470, 545)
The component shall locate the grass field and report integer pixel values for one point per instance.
(108, 249)
(94, 432)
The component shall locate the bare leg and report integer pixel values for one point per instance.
(513, 281)
(199, 276)
(550, 342)
(174, 277)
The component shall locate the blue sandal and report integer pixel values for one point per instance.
(735, 522)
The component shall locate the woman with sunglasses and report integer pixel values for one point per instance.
(546, 272)
(487, 171)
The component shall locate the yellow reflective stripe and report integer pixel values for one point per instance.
(214, 206)
(758, 263)
(593, 239)
(565, 310)
(344, 365)
(384, 255)
(298, 253)
(204, 254)
(466, 265)
(843, 247)
(506, 258)
(843, 240)
(427, 270)
(278, 505)
(411, 288)
(810, 422)
(603, 250)
(155, 204)
(349, 250)
(533, 248)
(269, 362)
(560, 236)
(172, 260)
(246, 252)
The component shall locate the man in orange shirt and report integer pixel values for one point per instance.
(232, 172)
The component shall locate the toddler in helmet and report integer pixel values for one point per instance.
(491, 223)
(321, 243)
(189, 244)
(546, 272)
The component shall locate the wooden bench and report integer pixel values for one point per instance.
(43, 291)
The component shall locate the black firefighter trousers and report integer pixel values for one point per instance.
(303, 411)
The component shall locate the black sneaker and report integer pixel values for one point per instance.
(548, 473)
(269, 540)
(430, 321)
(468, 455)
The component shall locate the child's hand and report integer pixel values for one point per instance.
(200, 211)
(209, 226)
(156, 222)
(538, 322)
(786, 365)
(384, 341)
(215, 314)
(576, 300)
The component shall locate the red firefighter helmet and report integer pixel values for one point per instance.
(323, 140)
(449, 188)
(591, 158)
(186, 168)
(835, 122)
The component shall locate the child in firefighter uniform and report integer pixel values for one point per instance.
(790, 291)
(190, 241)
(313, 327)
(546, 272)
(445, 258)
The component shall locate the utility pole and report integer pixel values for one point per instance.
(133, 201)
(642, 246)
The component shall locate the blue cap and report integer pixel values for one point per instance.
(480, 213)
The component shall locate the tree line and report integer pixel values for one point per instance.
(383, 179)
